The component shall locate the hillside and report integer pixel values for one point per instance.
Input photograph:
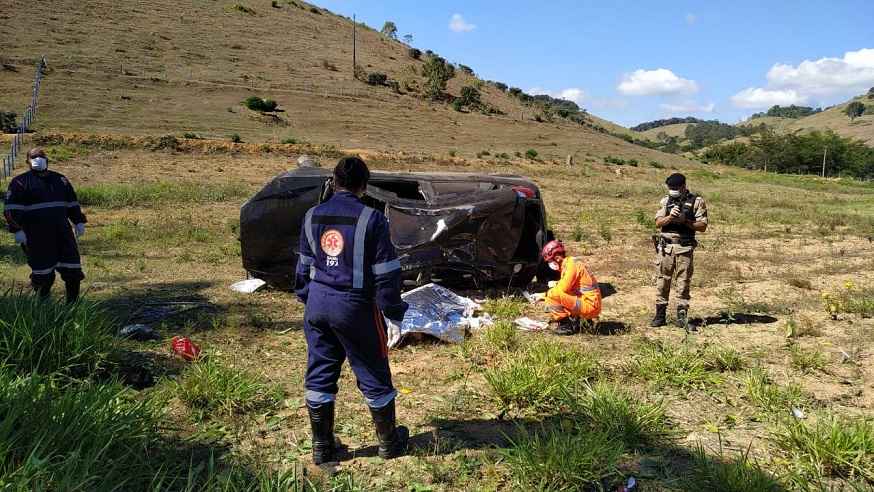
(160, 67)
(834, 119)
(677, 130)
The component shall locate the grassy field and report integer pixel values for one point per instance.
(784, 289)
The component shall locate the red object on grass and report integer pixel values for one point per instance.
(185, 348)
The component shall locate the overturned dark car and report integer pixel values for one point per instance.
(447, 227)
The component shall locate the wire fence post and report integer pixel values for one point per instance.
(26, 121)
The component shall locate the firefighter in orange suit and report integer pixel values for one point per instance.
(575, 296)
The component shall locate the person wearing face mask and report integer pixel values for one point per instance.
(680, 216)
(349, 277)
(42, 210)
(575, 296)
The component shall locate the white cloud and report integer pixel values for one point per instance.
(847, 75)
(655, 82)
(458, 24)
(688, 107)
(753, 98)
(691, 18)
(574, 94)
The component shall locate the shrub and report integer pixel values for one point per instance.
(453, 152)
(329, 66)
(483, 153)
(806, 361)
(209, 388)
(376, 78)
(850, 300)
(289, 141)
(191, 136)
(236, 138)
(551, 458)
(470, 96)
(515, 91)
(833, 447)
(255, 103)
(500, 86)
(44, 337)
(505, 308)
(502, 336)
(274, 4)
(7, 122)
(722, 359)
(531, 154)
(854, 110)
(540, 378)
(389, 29)
(414, 53)
(457, 105)
(242, 9)
(465, 69)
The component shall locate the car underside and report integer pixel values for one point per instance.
(447, 227)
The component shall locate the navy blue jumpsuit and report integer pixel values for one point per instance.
(349, 276)
(44, 205)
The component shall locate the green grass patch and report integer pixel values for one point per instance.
(45, 337)
(64, 152)
(722, 359)
(773, 399)
(502, 336)
(540, 377)
(850, 300)
(506, 308)
(115, 196)
(833, 447)
(806, 361)
(638, 424)
(670, 365)
(721, 474)
(209, 389)
(553, 459)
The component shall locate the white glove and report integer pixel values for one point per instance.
(675, 212)
(80, 229)
(552, 283)
(539, 296)
(20, 238)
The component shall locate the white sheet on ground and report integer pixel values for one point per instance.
(248, 286)
(436, 311)
(529, 324)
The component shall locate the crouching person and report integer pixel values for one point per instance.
(575, 296)
(349, 277)
(42, 210)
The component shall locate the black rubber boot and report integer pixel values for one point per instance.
(683, 317)
(72, 291)
(44, 291)
(567, 327)
(322, 425)
(661, 316)
(393, 439)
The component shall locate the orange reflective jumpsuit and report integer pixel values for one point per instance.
(576, 294)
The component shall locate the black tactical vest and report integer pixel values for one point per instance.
(687, 209)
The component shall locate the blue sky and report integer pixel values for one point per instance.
(634, 61)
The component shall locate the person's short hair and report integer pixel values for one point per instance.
(351, 173)
(36, 152)
(675, 181)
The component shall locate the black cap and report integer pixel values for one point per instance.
(351, 173)
(675, 181)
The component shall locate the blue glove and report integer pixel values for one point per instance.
(20, 238)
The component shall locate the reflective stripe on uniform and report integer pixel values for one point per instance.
(318, 397)
(589, 288)
(46, 271)
(307, 260)
(308, 228)
(578, 305)
(68, 265)
(358, 251)
(387, 267)
(40, 206)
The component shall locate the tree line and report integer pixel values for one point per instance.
(792, 111)
(797, 154)
(649, 125)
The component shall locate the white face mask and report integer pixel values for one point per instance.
(674, 193)
(39, 164)
(553, 265)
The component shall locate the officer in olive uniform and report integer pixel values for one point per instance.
(680, 216)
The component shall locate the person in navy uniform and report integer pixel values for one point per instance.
(349, 277)
(39, 208)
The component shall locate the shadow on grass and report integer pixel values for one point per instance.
(607, 290)
(732, 319)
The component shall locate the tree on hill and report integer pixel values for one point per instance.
(437, 73)
(711, 132)
(408, 38)
(659, 123)
(791, 111)
(389, 29)
(871, 93)
(854, 110)
(7, 122)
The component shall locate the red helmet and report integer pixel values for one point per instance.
(552, 249)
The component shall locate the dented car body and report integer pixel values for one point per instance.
(446, 226)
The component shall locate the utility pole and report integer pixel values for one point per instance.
(824, 153)
(354, 46)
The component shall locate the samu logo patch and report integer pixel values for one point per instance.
(332, 244)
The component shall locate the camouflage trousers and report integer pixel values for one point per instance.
(680, 265)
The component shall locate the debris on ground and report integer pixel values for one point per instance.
(630, 485)
(154, 312)
(529, 324)
(185, 348)
(438, 312)
(139, 332)
(248, 286)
